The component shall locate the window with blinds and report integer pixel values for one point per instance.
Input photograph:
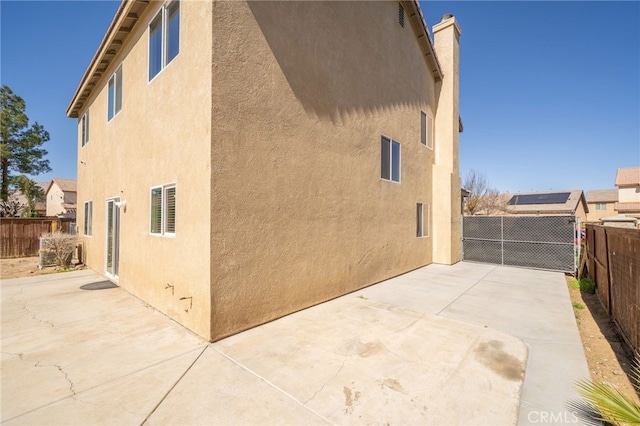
(88, 218)
(163, 210)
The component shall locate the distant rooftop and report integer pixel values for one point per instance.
(602, 196)
(547, 202)
(629, 176)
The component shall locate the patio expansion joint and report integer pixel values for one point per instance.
(465, 292)
(173, 386)
(277, 388)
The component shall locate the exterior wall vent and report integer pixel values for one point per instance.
(401, 15)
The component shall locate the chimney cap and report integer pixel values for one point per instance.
(446, 16)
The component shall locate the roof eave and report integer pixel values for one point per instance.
(424, 38)
(123, 22)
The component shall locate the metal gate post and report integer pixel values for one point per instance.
(502, 240)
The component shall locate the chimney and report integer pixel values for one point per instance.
(446, 173)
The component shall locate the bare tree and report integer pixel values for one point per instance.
(483, 198)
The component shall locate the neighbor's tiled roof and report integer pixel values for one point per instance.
(628, 207)
(629, 176)
(602, 196)
(65, 185)
(569, 207)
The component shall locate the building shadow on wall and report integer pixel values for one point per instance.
(345, 59)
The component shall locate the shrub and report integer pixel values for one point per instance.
(60, 245)
(587, 285)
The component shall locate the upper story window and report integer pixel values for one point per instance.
(426, 130)
(84, 128)
(163, 210)
(390, 159)
(114, 103)
(164, 38)
(601, 206)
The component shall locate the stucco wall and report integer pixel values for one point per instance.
(629, 194)
(595, 215)
(55, 198)
(302, 93)
(161, 136)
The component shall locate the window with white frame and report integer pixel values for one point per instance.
(88, 218)
(422, 220)
(426, 129)
(114, 101)
(84, 128)
(164, 37)
(163, 210)
(390, 159)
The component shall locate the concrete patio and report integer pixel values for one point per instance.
(462, 344)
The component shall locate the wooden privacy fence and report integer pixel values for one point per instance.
(19, 237)
(613, 262)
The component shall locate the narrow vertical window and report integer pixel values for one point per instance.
(170, 210)
(114, 102)
(423, 128)
(389, 159)
(419, 220)
(155, 46)
(88, 218)
(395, 161)
(173, 30)
(84, 128)
(156, 210)
(386, 158)
(164, 38)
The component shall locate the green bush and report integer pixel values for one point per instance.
(587, 285)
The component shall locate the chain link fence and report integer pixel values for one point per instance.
(540, 242)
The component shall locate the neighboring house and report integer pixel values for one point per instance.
(601, 203)
(40, 207)
(240, 161)
(628, 183)
(548, 203)
(61, 197)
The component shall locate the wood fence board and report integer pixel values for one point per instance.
(19, 237)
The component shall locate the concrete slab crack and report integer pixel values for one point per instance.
(61, 370)
(327, 382)
(33, 316)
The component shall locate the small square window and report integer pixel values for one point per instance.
(163, 210)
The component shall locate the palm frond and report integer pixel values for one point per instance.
(613, 406)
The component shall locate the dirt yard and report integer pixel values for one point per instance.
(608, 357)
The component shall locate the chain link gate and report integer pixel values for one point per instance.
(540, 242)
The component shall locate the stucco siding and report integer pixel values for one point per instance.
(595, 215)
(302, 92)
(55, 198)
(629, 194)
(162, 135)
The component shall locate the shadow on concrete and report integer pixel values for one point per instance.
(100, 285)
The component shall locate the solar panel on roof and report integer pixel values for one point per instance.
(547, 198)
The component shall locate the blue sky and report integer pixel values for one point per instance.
(549, 92)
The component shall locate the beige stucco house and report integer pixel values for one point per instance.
(628, 183)
(239, 161)
(601, 203)
(61, 197)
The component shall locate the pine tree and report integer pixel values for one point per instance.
(20, 144)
